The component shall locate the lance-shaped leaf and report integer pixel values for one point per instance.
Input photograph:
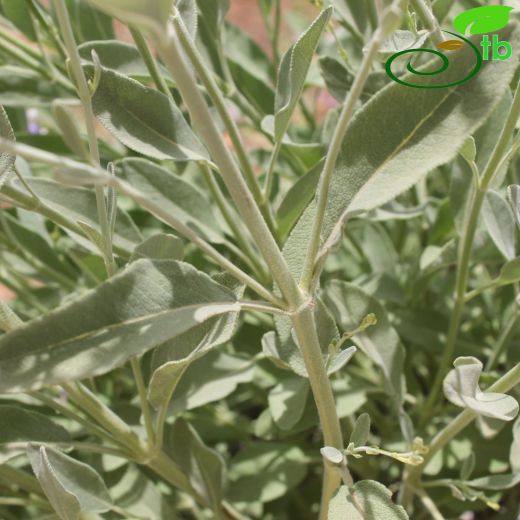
(159, 247)
(367, 500)
(500, 223)
(350, 305)
(143, 118)
(203, 466)
(71, 486)
(429, 127)
(173, 194)
(142, 307)
(6, 160)
(22, 425)
(121, 57)
(79, 205)
(152, 15)
(361, 430)
(462, 389)
(293, 72)
(495, 482)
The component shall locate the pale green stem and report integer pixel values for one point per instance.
(150, 62)
(269, 178)
(428, 19)
(412, 479)
(90, 120)
(305, 327)
(220, 104)
(231, 220)
(466, 244)
(143, 400)
(429, 505)
(332, 156)
(204, 123)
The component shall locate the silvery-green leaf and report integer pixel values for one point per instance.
(401, 40)
(332, 455)
(22, 425)
(121, 57)
(429, 126)
(171, 359)
(138, 309)
(294, 67)
(510, 272)
(461, 388)
(287, 401)
(469, 149)
(361, 430)
(69, 128)
(367, 500)
(79, 204)
(188, 12)
(143, 118)
(203, 466)
(173, 194)
(513, 196)
(159, 247)
(6, 160)
(500, 223)
(467, 467)
(265, 471)
(208, 379)
(212, 13)
(350, 305)
(70, 486)
(339, 360)
(151, 15)
(495, 482)
(514, 454)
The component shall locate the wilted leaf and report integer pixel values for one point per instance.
(462, 389)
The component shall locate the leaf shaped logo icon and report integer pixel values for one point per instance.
(451, 45)
(481, 20)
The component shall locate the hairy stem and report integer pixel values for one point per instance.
(204, 123)
(220, 104)
(428, 19)
(90, 120)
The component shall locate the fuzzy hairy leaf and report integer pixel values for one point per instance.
(174, 194)
(368, 500)
(136, 310)
(6, 160)
(71, 486)
(428, 128)
(143, 118)
(293, 72)
(21, 425)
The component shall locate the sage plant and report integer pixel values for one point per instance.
(249, 283)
